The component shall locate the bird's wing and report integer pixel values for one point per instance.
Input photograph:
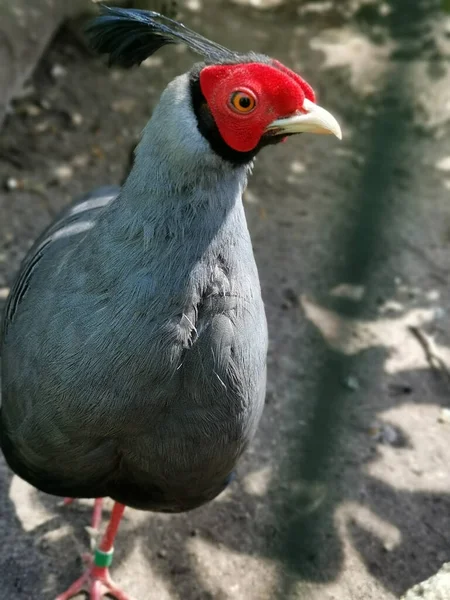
(70, 221)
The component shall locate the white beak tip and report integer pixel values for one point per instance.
(315, 119)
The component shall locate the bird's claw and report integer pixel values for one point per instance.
(95, 585)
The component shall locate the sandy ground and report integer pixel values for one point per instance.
(345, 493)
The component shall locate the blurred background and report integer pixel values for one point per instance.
(345, 493)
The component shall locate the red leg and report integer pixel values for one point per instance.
(97, 513)
(97, 581)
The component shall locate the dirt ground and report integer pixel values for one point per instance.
(352, 240)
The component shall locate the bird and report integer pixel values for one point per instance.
(135, 340)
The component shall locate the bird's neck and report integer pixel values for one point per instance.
(180, 193)
(172, 224)
(177, 180)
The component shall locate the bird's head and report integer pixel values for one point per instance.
(241, 102)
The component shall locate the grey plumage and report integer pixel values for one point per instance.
(134, 346)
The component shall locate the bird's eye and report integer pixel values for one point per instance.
(242, 102)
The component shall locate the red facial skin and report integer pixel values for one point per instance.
(278, 91)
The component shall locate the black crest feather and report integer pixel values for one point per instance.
(129, 36)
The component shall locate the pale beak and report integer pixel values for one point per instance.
(315, 119)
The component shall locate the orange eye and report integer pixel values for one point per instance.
(242, 102)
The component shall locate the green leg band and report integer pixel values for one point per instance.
(103, 559)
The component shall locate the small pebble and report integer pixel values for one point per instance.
(42, 127)
(444, 415)
(315, 8)
(297, 167)
(194, 5)
(45, 104)
(12, 184)
(389, 546)
(58, 71)
(347, 290)
(351, 382)
(443, 164)
(152, 61)
(30, 110)
(433, 295)
(80, 160)
(63, 173)
(77, 119)
(390, 307)
(161, 554)
(384, 433)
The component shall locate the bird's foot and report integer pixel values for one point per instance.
(96, 582)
